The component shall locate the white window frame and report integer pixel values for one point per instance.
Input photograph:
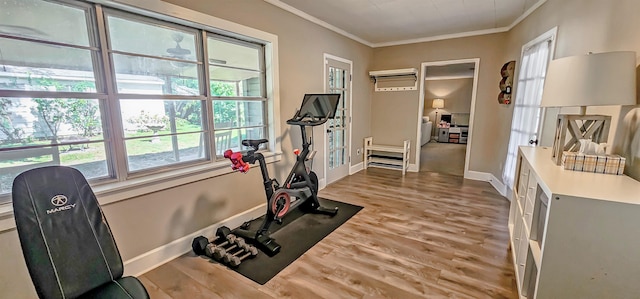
(510, 163)
(117, 191)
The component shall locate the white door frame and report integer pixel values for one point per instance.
(423, 68)
(323, 181)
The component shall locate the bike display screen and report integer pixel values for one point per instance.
(319, 105)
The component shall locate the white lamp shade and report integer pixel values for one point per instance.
(591, 80)
(438, 104)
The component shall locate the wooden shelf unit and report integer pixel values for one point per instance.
(386, 156)
(573, 234)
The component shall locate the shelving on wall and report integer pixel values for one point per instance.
(395, 80)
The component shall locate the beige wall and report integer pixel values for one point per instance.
(393, 114)
(144, 223)
(590, 26)
(583, 26)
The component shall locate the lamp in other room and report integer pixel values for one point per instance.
(603, 79)
(437, 104)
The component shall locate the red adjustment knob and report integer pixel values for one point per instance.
(296, 151)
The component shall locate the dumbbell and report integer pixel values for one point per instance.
(200, 243)
(217, 252)
(246, 248)
(230, 240)
(234, 261)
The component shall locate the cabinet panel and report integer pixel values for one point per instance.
(583, 240)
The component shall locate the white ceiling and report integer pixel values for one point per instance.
(392, 22)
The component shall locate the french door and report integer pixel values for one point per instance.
(338, 80)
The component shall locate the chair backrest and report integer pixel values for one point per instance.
(223, 142)
(65, 238)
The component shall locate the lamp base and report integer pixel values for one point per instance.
(592, 127)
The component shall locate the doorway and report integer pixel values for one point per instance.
(338, 130)
(445, 115)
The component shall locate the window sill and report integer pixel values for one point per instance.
(118, 191)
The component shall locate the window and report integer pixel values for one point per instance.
(154, 97)
(526, 112)
(236, 74)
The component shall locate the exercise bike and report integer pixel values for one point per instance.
(301, 184)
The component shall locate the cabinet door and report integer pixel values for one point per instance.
(517, 231)
(522, 178)
(521, 258)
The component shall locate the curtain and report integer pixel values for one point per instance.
(526, 110)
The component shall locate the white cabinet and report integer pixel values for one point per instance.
(425, 133)
(573, 234)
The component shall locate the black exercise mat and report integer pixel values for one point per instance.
(297, 234)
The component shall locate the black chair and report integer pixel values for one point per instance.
(65, 239)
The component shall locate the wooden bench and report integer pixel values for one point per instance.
(386, 156)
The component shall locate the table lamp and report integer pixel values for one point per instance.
(437, 104)
(603, 79)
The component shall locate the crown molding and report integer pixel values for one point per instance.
(324, 24)
(441, 37)
(317, 21)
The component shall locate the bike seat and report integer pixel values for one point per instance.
(255, 143)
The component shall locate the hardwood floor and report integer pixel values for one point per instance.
(427, 235)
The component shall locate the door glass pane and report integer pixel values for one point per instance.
(332, 77)
(339, 141)
(338, 159)
(331, 160)
(339, 79)
(44, 20)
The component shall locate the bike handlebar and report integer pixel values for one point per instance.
(311, 120)
(237, 164)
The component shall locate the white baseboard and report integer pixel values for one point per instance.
(322, 183)
(352, 169)
(163, 254)
(413, 168)
(498, 185)
(487, 177)
(355, 168)
(477, 176)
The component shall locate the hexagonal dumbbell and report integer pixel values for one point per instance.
(218, 252)
(235, 259)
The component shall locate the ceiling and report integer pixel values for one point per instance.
(392, 22)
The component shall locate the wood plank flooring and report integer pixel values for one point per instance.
(427, 235)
